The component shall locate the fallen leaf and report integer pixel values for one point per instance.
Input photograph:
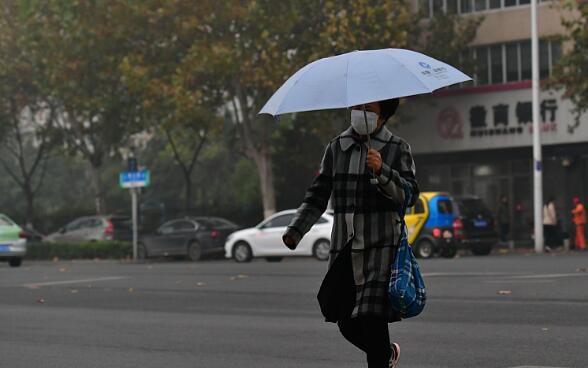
(63, 269)
(131, 290)
(544, 329)
(581, 269)
(55, 259)
(242, 276)
(41, 301)
(504, 292)
(73, 291)
(200, 284)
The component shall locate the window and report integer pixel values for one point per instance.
(74, 225)
(496, 64)
(280, 221)
(452, 6)
(481, 65)
(183, 226)
(511, 62)
(430, 8)
(438, 7)
(525, 60)
(543, 59)
(444, 206)
(495, 4)
(419, 207)
(479, 5)
(466, 6)
(5, 221)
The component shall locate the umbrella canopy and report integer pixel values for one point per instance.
(360, 77)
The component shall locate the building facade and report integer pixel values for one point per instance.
(477, 139)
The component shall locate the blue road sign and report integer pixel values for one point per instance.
(134, 179)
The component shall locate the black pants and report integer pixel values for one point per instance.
(368, 333)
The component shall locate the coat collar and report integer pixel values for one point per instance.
(349, 138)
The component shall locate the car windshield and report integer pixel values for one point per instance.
(5, 221)
(471, 207)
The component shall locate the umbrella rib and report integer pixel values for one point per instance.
(347, 85)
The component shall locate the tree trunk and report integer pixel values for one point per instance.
(188, 189)
(30, 210)
(97, 189)
(263, 161)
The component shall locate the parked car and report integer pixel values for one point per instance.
(94, 228)
(430, 225)
(193, 237)
(474, 225)
(265, 240)
(13, 245)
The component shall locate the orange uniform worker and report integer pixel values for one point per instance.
(579, 218)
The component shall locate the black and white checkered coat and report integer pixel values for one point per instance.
(365, 213)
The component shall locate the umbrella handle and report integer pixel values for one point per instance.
(373, 179)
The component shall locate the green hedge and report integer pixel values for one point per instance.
(102, 250)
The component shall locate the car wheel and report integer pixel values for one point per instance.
(194, 251)
(242, 252)
(424, 249)
(15, 262)
(142, 251)
(449, 252)
(274, 259)
(482, 250)
(321, 249)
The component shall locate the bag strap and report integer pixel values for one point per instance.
(402, 212)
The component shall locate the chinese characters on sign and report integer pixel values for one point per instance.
(500, 118)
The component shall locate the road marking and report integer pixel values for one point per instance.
(449, 274)
(535, 366)
(80, 281)
(551, 276)
(518, 281)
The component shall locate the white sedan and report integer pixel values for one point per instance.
(265, 240)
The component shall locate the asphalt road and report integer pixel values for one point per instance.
(500, 311)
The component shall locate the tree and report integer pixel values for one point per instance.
(164, 32)
(571, 73)
(26, 115)
(84, 44)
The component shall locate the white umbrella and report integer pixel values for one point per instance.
(360, 77)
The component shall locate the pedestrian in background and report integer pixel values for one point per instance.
(367, 186)
(579, 219)
(503, 219)
(550, 224)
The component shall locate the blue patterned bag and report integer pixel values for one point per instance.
(406, 290)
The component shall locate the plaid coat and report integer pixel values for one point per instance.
(365, 214)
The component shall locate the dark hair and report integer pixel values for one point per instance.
(388, 108)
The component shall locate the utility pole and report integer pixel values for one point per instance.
(537, 156)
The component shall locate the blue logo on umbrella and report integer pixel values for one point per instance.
(424, 65)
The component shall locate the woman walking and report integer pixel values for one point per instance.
(364, 170)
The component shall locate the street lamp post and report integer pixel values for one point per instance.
(537, 159)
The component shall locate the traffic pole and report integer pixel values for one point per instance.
(537, 157)
(134, 214)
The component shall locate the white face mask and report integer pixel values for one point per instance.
(358, 122)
